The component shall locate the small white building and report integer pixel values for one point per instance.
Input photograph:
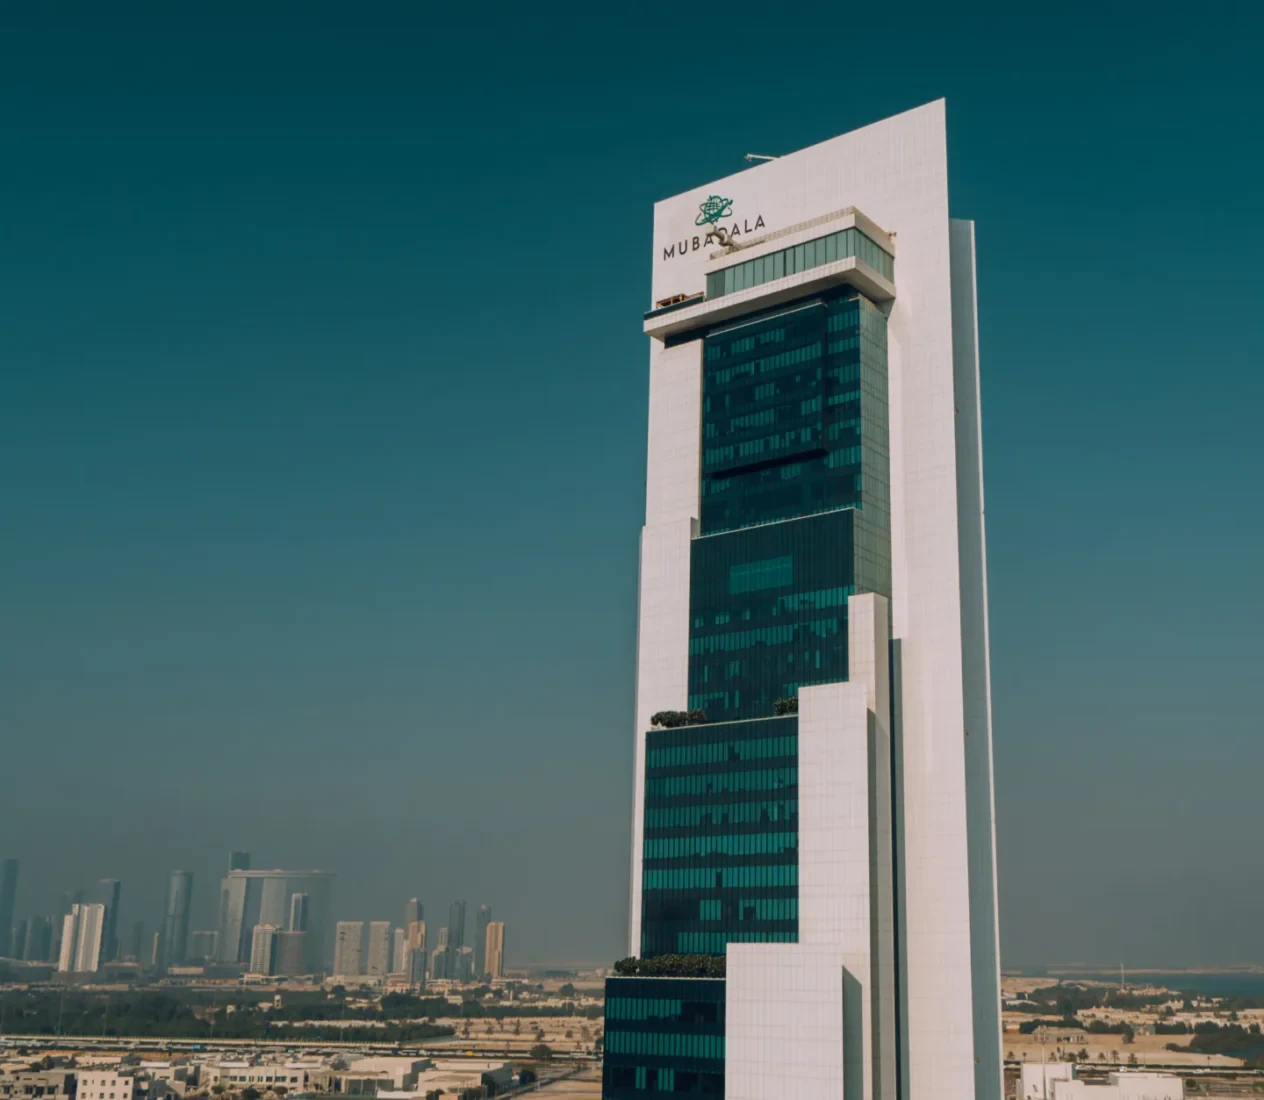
(1122, 1086)
(99, 1084)
(1038, 1078)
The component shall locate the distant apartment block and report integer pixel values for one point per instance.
(8, 896)
(348, 940)
(175, 925)
(379, 963)
(81, 939)
(481, 920)
(291, 953)
(263, 949)
(494, 950)
(417, 952)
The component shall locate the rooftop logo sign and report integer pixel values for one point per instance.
(711, 211)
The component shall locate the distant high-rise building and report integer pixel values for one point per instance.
(298, 913)
(175, 925)
(481, 920)
(379, 962)
(69, 934)
(202, 944)
(399, 956)
(90, 944)
(18, 947)
(441, 959)
(462, 968)
(417, 952)
(8, 898)
(239, 861)
(456, 925)
(413, 910)
(108, 892)
(81, 941)
(348, 938)
(263, 949)
(494, 949)
(39, 940)
(155, 951)
(291, 953)
(248, 898)
(137, 943)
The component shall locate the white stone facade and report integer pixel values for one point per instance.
(896, 836)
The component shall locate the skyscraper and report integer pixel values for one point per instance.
(109, 891)
(239, 861)
(175, 924)
(17, 947)
(82, 938)
(69, 938)
(813, 791)
(39, 940)
(494, 949)
(8, 898)
(481, 921)
(136, 946)
(348, 944)
(461, 964)
(379, 964)
(441, 956)
(248, 898)
(456, 925)
(298, 913)
(413, 910)
(291, 953)
(399, 952)
(263, 949)
(417, 952)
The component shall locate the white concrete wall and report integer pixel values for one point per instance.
(985, 957)
(1036, 1079)
(869, 663)
(783, 1022)
(834, 885)
(672, 488)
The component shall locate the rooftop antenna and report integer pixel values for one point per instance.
(759, 156)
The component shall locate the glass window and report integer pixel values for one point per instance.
(801, 257)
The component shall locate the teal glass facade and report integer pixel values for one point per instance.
(802, 257)
(794, 414)
(663, 1035)
(720, 847)
(768, 608)
(794, 520)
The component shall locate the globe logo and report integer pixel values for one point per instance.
(713, 210)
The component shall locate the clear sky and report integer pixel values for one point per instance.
(322, 427)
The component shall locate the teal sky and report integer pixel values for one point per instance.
(322, 427)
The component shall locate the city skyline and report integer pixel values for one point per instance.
(282, 905)
(273, 511)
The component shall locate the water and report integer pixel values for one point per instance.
(1233, 983)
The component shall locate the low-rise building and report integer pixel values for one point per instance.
(52, 1084)
(103, 1084)
(1121, 1086)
